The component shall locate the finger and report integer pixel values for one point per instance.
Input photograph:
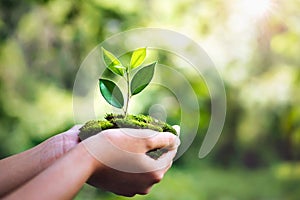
(106, 152)
(172, 145)
(136, 133)
(167, 168)
(164, 140)
(169, 155)
(144, 139)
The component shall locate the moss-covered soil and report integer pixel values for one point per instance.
(130, 121)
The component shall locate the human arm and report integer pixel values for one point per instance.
(64, 178)
(18, 169)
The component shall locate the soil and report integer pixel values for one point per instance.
(113, 121)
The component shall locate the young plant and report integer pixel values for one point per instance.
(137, 78)
(139, 81)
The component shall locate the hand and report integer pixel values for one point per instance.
(29, 172)
(124, 168)
(123, 173)
(58, 145)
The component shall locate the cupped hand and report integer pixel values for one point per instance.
(124, 168)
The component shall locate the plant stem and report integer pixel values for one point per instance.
(128, 93)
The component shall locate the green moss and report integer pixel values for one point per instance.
(93, 127)
(119, 121)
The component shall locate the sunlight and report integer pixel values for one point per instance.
(256, 8)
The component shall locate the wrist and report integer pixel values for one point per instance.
(91, 161)
(54, 148)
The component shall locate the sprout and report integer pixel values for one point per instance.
(140, 80)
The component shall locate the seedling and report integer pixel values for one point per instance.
(137, 77)
(140, 80)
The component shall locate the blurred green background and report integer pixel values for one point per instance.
(255, 45)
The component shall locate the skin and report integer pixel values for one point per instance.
(24, 166)
(58, 167)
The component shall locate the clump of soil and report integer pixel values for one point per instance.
(140, 121)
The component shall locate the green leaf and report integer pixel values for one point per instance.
(142, 78)
(137, 58)
(113, 63)
(111, 93)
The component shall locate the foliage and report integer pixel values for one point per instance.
(111, 92)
